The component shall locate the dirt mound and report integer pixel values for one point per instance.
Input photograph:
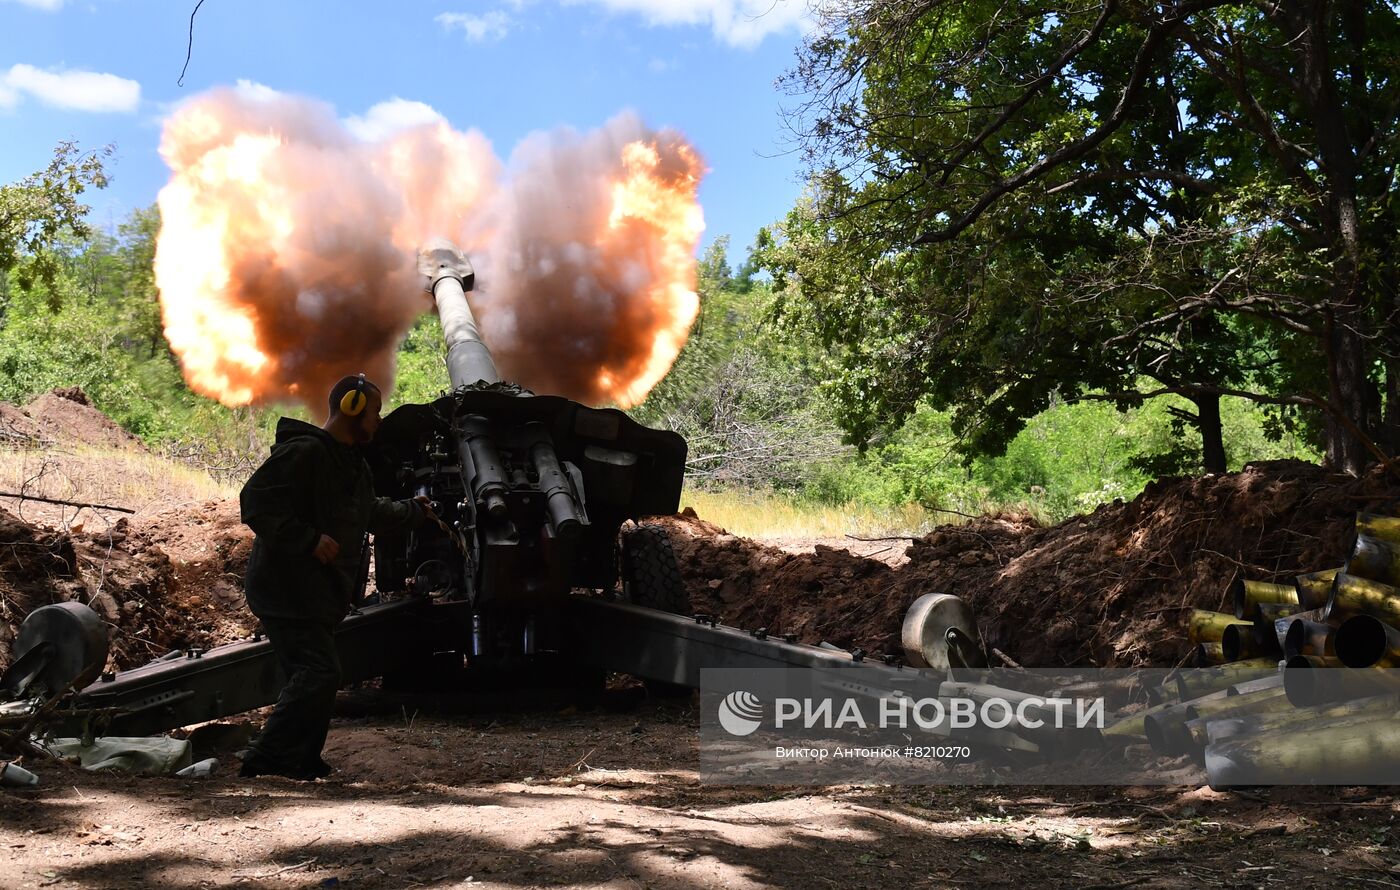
(154, 586)
(209, 546)
(1107, 589)
(825, 595)
(37, 567)
(17, 428)
(68, 416)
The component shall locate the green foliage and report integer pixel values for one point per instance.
(1067, 460)
(37, 212)
(713, 272)
(1072, 458)
(140, 303)
(421, 374)
(745, 400)
(40, 351)
(1013, 204)
(917, 465)
(738, 372)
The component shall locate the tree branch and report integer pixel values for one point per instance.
(1156, 37)
(1283, 151)
(1032, 89)
(1122, 174)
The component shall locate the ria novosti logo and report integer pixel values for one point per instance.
(740, 713)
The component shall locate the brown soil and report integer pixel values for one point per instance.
(439, 794)
(18, 428)
(67, 416)
(162, 583)
(597, 799)
(37, 567)
(208, 546)
(1109, 589)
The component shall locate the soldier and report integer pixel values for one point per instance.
(309, 505)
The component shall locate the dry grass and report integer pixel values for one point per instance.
(756, 514)
(141, 482)
(148, 483)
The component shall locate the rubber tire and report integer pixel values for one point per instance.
(651, 577)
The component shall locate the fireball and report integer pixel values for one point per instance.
(286, 253)
(659, 207)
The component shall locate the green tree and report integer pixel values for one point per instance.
(987, 174)
(746, 402)
(712, 272)
(39, 210)
(421, 374)
(141, 316)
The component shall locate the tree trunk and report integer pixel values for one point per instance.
(1212, 433)
(1346, 373)
(1390, 411)
(1389, 429)
(1346, 359)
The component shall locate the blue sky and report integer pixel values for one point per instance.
(105, 71)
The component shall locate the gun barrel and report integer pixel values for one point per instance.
(478, 451)
(563, 510)
(450, 276)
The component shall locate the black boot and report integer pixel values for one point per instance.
(319, 769)
(255, 765)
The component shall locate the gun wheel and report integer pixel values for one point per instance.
(651, 577)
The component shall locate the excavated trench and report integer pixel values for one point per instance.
(1107, 589)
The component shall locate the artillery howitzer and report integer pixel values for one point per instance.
(537, 563)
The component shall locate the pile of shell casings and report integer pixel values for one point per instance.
(1302, 685)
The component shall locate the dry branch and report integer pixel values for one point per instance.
(66, 503)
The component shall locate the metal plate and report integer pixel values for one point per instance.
(925, 631)
(79, 646)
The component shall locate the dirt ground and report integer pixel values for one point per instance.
(462, 792)
(561, 797)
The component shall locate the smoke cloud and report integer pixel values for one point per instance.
(589, 280)
(287, 252)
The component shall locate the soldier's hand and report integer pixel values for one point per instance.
(426, 504)
(326, 549)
